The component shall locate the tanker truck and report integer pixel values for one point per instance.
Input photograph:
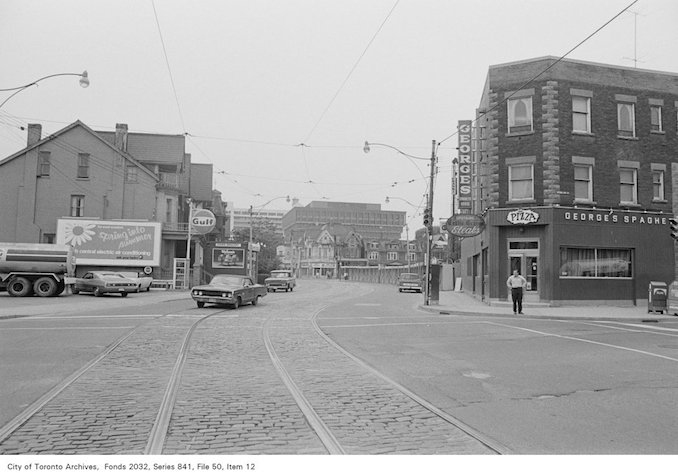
(36, 268)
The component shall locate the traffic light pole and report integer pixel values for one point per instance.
(429, 227)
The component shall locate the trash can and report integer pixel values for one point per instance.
(656, 297)
(672, 300)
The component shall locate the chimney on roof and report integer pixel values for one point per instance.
(121, 136)
(34, 133)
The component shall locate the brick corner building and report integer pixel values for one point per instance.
(576, 171)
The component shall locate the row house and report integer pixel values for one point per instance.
(82, 173)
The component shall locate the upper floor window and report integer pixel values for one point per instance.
(44, 163)
(658, 185)
(413, 257)
(392, 256)
(656, 118)
(583, 182)
(520, 115)
(521, 182)
(77, 206)
(581, 114)
(131, 174)
(626, 119)
(83, 165)
(628, 186)
(373, 255)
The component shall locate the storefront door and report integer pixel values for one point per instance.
(524, 256)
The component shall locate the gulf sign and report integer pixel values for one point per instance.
(202, 221)
(464, 173)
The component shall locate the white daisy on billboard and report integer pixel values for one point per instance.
(78, 233)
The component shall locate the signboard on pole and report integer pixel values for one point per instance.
(202, 221)
(111, 242)
(465, 167)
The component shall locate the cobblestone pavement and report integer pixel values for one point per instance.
(231, 399)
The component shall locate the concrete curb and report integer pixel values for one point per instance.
(442, 310)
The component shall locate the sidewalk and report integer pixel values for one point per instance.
(460, 303)
(12, 307)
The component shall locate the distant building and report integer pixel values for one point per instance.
(577, 177)
(367, 220)
(241, 218)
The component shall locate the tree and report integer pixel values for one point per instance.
(264, 233)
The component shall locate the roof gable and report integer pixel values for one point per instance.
(70, 127)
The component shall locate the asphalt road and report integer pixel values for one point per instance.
(534, 386)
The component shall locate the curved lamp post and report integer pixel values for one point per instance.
(428, 213)
(84, 82)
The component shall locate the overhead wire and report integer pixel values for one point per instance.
(530, 81)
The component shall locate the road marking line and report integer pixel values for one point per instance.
(126, 316)
(67, 328)
(367, 304)
(593, 342)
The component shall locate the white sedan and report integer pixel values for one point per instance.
(143, 281)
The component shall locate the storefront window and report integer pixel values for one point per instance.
(595, 263)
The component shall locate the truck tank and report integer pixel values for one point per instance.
(36, 258)
(40, 268)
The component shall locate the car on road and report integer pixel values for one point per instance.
(410, 282)
(280, 279)
(100, 283)
(228, 289)
(143, 280)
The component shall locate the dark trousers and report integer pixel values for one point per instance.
(517, 296)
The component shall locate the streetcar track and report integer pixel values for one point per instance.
(491, 444)
(8, 429)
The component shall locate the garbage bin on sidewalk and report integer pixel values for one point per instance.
(656, 297)
(672, 300)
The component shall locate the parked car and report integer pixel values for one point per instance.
(227, 289)
(143, 280)
(280, 279)
(101, 283)
(410, 282)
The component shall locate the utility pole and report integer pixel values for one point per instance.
(187, 269)
(429, 226)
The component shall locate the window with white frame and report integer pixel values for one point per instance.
(44, 158)
(77, 206)
(658, 185)
(581, 114)
(83, 165)
(520, 115)
(628, 186)
(392, 256)
(413, 257)
(656, 119)
(583, 182)
(521, 182)
(373, 255)
(626, 119)
(131, 174)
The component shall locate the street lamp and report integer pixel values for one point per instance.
(428, 212)
(84, 83)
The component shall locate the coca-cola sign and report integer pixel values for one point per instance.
(522, 217)
(465, 225)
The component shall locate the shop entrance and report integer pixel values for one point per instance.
(523, 255)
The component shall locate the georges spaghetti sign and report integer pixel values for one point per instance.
(111, 243)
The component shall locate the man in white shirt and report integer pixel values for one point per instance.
(517, 284)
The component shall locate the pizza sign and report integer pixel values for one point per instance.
(522, 217)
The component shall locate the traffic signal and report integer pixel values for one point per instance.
(427, 217)
(674, 227)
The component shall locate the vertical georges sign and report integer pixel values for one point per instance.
(464, 175)
(110, 242)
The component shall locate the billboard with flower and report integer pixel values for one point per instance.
(111, 242)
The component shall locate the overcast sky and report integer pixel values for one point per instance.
(281, 95)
